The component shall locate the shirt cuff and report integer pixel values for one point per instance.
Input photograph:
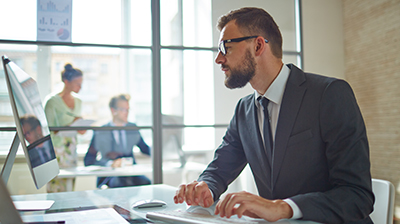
(297, 214)
(109, 163)
(212, 194)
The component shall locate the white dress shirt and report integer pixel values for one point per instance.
(275, 94)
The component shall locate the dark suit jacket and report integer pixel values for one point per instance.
(104, 142)
(321, 153)
(40, 155)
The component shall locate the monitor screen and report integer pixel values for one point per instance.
(31, 123)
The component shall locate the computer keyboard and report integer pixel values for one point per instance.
(193, 218)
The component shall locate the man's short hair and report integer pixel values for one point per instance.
(31, 120)
(115, 99)
(255, 21)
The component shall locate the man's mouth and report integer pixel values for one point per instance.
(224, 68)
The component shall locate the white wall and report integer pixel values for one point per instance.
(323, 38)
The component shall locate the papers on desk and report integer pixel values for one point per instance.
(77, 123)
(36, 205)
(92, 168)
(82, 122)
(98, 216)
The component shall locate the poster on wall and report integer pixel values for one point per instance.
(54, 20)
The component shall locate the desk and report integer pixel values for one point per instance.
(123, 197)
(137, 169)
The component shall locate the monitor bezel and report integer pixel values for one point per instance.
(43, 173)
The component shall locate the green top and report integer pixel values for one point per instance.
(59, 114)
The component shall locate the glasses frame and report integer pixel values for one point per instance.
(222, 48)
(126, 110)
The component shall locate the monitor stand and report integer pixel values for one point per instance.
(5, 174)
(8, 164)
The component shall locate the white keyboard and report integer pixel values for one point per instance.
(193, 218)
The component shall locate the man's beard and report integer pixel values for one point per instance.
(241, 76)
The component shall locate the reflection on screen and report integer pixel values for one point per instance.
(32, 117)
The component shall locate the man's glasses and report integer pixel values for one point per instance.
(25, 132)
(122, 109)
(222, 48)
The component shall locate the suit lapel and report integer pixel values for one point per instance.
(111, 136)
(291, 102)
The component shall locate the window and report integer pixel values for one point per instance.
(114, 48)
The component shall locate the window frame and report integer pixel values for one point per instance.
(156, 47)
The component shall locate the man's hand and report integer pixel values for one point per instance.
(244, 203)
(117, 163)
(194, 193)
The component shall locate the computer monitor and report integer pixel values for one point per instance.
(31, 124)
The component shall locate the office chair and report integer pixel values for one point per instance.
(384, 201)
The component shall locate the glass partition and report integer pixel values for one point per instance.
(112, 45)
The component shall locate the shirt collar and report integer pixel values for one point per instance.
(275, 91)
(113, 124)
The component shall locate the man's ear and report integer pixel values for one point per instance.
(113, 111)
(260, 46)
(39, 129)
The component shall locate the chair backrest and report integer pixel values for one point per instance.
(384, 201)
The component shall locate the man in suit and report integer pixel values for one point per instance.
(40, 148)
(116, 145)
(308, 150)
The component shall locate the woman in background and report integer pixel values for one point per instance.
(62, 109)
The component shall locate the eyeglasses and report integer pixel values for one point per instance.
(25, 132)
(122, 109)
(222, 48)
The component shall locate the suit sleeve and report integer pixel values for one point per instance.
(101, 142)
(347, 152)
(229, 160)
(144, 148)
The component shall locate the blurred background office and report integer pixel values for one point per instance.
(161, 53)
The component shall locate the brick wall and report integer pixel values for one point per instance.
(372, 67)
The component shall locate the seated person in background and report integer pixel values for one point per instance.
(116, 144)
(40, 150)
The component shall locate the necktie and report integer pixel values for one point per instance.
(268, 144)
(42, 154)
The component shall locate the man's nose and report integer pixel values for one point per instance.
(219, 59)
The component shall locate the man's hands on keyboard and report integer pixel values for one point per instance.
(194, 193)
